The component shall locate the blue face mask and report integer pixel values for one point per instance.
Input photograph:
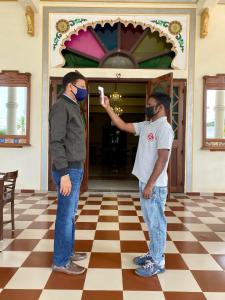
(81, 93)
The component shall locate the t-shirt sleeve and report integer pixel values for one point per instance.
(138, 127)
(164, 138)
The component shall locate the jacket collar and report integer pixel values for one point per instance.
(69, 99)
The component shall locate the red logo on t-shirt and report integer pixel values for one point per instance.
(151, 136)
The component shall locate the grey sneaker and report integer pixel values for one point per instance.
(71, 268)
(78, 256)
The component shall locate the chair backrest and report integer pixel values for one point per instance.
(11, 175)
(9, 180)
(1, 188)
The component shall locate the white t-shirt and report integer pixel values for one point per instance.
(152, 136)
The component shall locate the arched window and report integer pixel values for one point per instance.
(118, 46)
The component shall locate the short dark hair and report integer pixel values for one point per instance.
(162, 99)
(72, 77)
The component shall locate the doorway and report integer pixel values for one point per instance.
(114, 165)
(112, 151)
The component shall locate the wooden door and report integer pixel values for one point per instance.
(163, 84)
(55, 91)
(178, 112)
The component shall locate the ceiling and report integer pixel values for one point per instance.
(137, 1)
(141, 1)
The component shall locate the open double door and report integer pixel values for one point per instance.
(160, 84)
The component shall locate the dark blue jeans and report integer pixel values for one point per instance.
(65, 218)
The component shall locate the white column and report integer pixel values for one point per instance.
(11, 111)
(219, 114)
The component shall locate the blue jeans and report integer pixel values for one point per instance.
(65, 218)
(153, 213)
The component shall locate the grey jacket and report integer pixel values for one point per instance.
(66, 135)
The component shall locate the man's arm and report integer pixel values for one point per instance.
(163, 155)
(57, 121)
(128, 127)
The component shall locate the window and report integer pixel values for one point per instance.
(118, 46)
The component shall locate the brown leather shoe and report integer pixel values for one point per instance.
(71, 268)
(78, 256)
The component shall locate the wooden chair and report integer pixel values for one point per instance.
(7, 192)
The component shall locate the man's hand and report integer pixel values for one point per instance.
(65, 185)
(147, 191)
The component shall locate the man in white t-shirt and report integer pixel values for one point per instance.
(150, 167)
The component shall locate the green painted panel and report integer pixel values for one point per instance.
(74, 60)
(151, 43)
(162, 62)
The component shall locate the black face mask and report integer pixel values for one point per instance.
(150, 111)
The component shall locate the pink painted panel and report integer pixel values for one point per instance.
(85, 42)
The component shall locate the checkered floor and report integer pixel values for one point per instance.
(111, 230)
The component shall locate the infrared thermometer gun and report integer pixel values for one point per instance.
(101, 92)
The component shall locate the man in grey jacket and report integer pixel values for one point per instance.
(67, 146)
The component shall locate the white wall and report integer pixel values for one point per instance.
(20, 52)
(23, 53)
(209, 166)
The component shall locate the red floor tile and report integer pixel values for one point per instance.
(49, 212)
(114, 219)
(190, 220)
(132, 282)
(220, 259)
(175, 262)
(49, 234)
(217, 227)
(22, 245)
(176, 227)
(39, 206)
(83, 246)
(207, 236)
(190, 247)
(105, 260)
(127, 213)
(134, 246)
(20, 294)
(215, 209)
(90, 202)
(40, 225)
(184, 296)
(210, 281)
(105, 198)
(109, 207)
(39, 260)
(26, 218)
(86, 226)
(177, 208)
(102, 295)
(63, 281)
(125, 202)
(90, 212)
(107, 235)
(9, 234)
(169, 214)
(202, 214)
(130, 226)
(5, 275)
